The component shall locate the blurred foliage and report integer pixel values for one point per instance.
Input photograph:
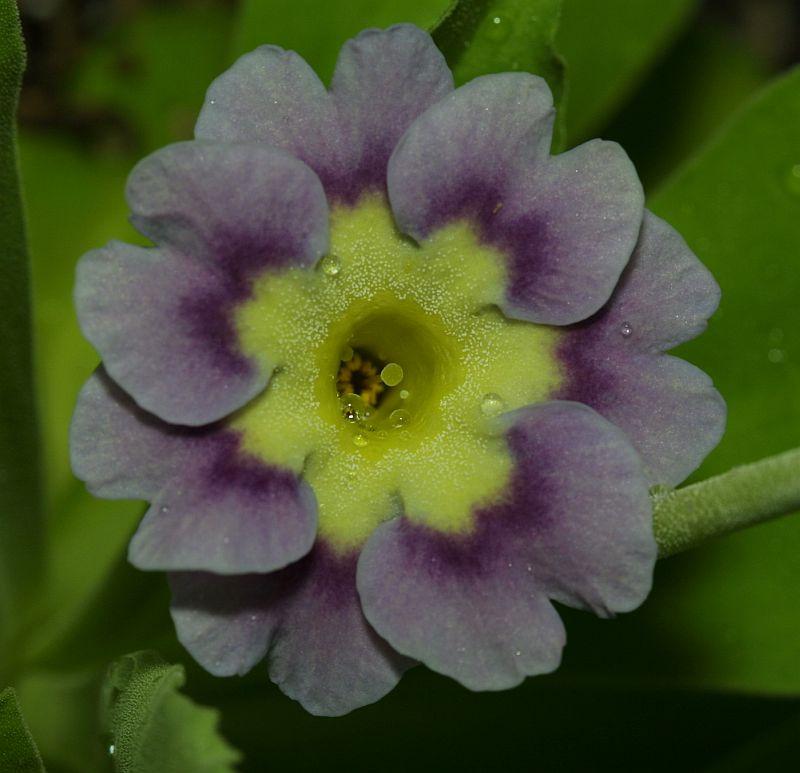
(676, 120)
(656, 74)
(608, 46)
(316, 30)
(138, 71)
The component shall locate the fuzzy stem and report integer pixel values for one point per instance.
(743, 496)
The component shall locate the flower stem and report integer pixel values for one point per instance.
(743, 496)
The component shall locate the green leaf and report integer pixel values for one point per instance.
(734, 605)
(317, 30)
(154, 727)
(21, 534)
(18, 752)
(608, 46)
(708, 75)
(487, 36)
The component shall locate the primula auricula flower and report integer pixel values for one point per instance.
(392, 378)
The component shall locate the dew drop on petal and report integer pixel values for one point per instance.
(330, 265)
(360, 440)
(392, 374)
(399, 418)
(112, 749)
(404, 393)
(492, 404)
(347, 354)
(626, 330)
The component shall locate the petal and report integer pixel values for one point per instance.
(242, 207)
(118, 450)
(664, 298)
(272, 96)
(566, 224)
(668, 408)
(162, 319)
(321, 650)
(569, 230)
(213, 507)
(460, 154)
(574, 526)
(161, 323)
(383, 80)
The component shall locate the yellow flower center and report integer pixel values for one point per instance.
(390, 357)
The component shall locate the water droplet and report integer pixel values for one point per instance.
(360, 440)
(382, 434)
(353, 407)
(112, 749)
(793, 180)
(776, 335)
(492, 404)
(330, 265)
(517, 652)
(165, 509)
(776, 355)
(498, 29)
(404, 393)
(347, 354)
(392, 374)
(399, 418)
(626, 330)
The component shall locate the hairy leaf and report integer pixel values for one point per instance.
(20, 509)
(154, 727)
(18, 752)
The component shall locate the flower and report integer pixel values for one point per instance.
(392, 378)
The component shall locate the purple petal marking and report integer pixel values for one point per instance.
(322, 652)
(242, 207)
(213, 506)
(383, 80)
(574, 526)
(161, 319)
(160, 322)
(668, 408)
(567, 224)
